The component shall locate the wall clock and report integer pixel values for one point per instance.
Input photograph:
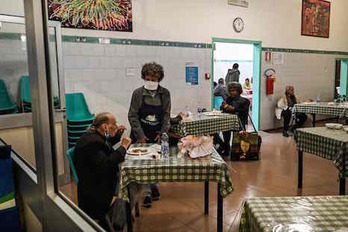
(238, 24)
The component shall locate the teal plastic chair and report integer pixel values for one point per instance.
(25, 94)
(25, 89)
(77, 109)
(218, 102)
(70, 155)
(6, 103)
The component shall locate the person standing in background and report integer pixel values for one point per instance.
(232, 74)
(221, 89)
(149, 116)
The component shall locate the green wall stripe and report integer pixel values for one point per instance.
(235, 61)
(291, 50)
(162, 43)
(7, 197)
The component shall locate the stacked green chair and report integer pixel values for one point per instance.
(6, 104)
(70, 155)
(25, 97)
(78, 115)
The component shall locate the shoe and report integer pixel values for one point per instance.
(147, 202)
(285, 134)
(155, 194)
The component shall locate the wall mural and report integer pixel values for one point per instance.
(110, 15)
(315, 18)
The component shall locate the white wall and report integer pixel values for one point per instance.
(310, 74)
(277, 23)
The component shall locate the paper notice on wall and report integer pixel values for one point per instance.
(278, 58)
(242, 3)
(191, 73)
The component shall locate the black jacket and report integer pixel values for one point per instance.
(241, 108)
(96, 164)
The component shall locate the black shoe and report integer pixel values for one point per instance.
(155, 194)
(285, 134)
(147, 202)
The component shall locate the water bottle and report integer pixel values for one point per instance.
(187, 111)
(164, 145)
(200, 110)
(318, 100)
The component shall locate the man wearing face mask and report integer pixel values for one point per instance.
(149, 115)
(96, 164)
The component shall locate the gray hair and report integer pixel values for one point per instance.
(99, 120)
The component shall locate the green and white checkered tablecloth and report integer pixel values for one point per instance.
(207, 125)
(340, 110)
(176, 169)
(327, 143)
(324, 213)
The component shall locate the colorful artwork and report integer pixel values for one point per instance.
(111, 15)
(315, 18)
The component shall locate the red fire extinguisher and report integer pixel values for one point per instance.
(270, 79)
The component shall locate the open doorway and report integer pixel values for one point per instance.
(247, 54)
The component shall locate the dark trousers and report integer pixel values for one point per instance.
(300, 119)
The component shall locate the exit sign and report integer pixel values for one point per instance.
(242, 3)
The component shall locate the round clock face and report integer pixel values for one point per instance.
(238, 24)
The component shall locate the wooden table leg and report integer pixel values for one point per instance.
(313, 123)
(219, 210)
(206, 197)
(129, 212)
(300, 168)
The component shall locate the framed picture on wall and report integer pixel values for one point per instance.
(109, 15)
(315, 18)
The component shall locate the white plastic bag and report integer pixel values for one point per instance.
(197, 146)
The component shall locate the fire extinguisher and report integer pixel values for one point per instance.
(270, 80)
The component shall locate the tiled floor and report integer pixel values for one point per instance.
(181, 205)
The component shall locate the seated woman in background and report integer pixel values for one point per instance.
(284, 108)
(247, 85)
(235, 104)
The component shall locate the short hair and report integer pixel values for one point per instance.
(221, 81)
(152, 69)
(287, 88)
(235, 85)
(235, 66)
(247, 79)
(99, 120)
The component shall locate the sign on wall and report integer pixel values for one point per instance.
(242, 3)
(191, 75)
(110, 15)
(315, 18)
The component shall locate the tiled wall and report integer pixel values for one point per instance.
(100, 72)
(13, 64)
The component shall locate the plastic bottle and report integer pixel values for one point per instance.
(199, 111)
(164, 145)
(318, 100)
(187, 111)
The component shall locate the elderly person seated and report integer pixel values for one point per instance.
(235, 104)
(284, 109)
(96, 163)
(221, 89)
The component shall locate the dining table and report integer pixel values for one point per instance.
(339, 110)
(301, 213)
(330, 144)
(177, 167)
(206, 124)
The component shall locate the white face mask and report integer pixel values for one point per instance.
(150, 85)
